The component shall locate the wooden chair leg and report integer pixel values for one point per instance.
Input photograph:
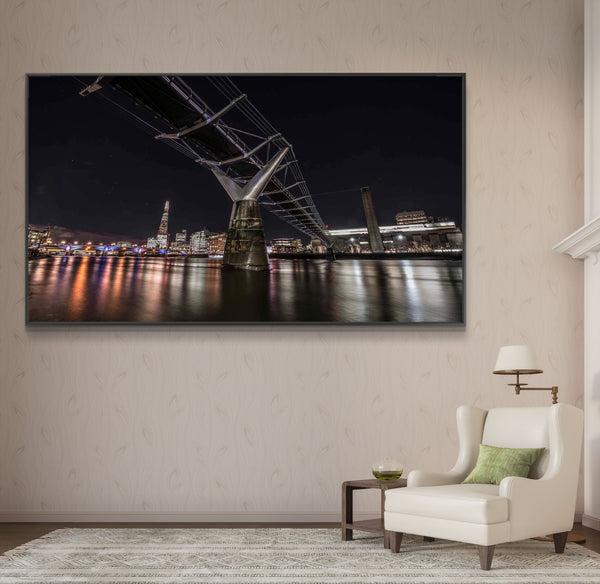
(560, 539)
(486, 553)
(395, 541)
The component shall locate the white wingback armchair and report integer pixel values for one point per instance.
(436, 504)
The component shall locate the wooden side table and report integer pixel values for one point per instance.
(371, 525)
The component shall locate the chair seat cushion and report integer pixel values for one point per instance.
(471, 503)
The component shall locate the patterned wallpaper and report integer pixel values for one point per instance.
(266, 422)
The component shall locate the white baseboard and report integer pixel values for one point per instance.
(108, 517)
(589, 521)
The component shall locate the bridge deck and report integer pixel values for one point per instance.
(184, 120)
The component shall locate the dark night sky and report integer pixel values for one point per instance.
(92, 168)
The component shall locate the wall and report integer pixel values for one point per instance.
(265, 422)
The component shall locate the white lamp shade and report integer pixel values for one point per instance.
(516, 359)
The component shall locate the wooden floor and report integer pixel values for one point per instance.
(16, 534)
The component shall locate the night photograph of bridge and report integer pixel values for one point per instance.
(246, 199)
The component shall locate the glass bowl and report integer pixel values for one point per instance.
(387, 469)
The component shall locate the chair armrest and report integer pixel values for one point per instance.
(538, 506)
(519, 488)
(426, 478)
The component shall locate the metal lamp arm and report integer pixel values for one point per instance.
(519, 386)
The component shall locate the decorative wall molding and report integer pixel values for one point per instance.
(585, 242)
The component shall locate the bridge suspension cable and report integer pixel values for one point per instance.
(183, 120)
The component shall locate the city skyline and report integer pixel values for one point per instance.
(416, 222)
(60, 233)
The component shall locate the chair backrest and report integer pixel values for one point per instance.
(525, 427)
(557, 428)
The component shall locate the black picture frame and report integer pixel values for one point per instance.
(408, 128)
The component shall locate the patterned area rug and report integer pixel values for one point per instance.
(289, 556)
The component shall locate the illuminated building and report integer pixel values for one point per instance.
(199, 241)
(152, 243)
(216, 243)
(286, 245)
(124, 244)
(37, 238)
(163, 229)
(413, 232)
(412, 218)
(180, 243)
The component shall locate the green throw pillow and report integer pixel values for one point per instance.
(493, 464)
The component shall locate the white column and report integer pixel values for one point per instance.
(585, 244)
(591, 507)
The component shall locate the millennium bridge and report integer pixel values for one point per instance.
(253, 162)
(255, 165)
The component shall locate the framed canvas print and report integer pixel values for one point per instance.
(246, 199)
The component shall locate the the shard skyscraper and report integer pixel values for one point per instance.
(163, 229)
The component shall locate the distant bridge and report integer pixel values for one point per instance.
(250, 162)
(85, 249)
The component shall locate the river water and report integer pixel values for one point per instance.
(158, 290)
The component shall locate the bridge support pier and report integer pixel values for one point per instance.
(245, 248)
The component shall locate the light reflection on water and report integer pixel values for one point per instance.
(123, 289)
